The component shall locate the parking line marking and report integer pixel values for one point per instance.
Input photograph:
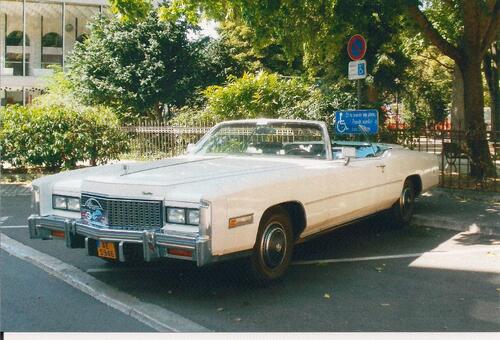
(152, 315)
(13, 226)
(123, 269)
(397, 256)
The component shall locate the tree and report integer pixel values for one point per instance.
(478, 25)
(470, 26)
(137, 67)
(491, 64)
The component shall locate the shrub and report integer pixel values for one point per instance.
(267, 95)
(58, 136)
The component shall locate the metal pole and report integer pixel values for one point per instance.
(397, 110)
(24, 39)
(63, 19)
(359, 93)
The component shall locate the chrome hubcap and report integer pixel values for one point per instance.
(406, 202)
(273, 246)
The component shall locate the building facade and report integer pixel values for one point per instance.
(35, 35)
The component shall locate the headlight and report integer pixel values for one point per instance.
(73, 203)
(65, 203)
(193, 216)
(176, 215)
(35, 200)
(183, 216)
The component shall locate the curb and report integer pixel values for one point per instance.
(154, 316)
(452, 224)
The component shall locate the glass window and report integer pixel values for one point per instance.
(269, 138)
(44, 27)
(11, 38)
(75, 26)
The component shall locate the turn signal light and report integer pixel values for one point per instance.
(180, 252)
(240, 220)
(57, 233)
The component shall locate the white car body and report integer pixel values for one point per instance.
(327, 192)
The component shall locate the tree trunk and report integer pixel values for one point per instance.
(457, 100)
(491, 62)
(481, 165)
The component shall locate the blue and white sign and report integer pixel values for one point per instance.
(356, 122)
(357, 70)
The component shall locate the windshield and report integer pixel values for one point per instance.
(280, 139)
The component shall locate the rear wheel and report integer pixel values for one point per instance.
(274, 246)
(402, 210)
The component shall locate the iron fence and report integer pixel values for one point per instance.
(155, 140)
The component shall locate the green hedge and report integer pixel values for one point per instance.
(59, 136)
(267, 95)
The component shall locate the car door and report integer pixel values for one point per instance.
(349, 190)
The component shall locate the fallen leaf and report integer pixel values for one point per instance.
(385, 304)
(170, 292)
(220, 309)
(237, 319)
(498, 289)
(490, 254)
(327, 296)
(379, 269)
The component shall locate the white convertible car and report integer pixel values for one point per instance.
(247, 188)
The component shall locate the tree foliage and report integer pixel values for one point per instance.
(136, 67)
(268, 95)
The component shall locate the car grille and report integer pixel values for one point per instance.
(127, 213)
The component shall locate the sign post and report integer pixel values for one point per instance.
(356, 48)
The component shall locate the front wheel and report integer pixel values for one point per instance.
(402, 210)
(273, 247)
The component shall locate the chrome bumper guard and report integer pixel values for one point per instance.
(155, 243)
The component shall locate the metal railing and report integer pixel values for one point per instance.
(155, 140)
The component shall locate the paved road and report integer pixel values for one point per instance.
(416, 279)
(34, 301)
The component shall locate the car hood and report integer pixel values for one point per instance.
(190, 169)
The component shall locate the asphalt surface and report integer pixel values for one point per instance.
(455, 288)
(34, 301)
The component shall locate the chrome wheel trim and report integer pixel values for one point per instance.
(273, 245)
(406, 203)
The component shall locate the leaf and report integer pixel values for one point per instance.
(385, 304)
(237, 319)
(327, 296)
(379, 269)
(220, 309)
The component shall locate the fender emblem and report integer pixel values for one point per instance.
(147, 193)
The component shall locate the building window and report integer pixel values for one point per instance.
(52, 49)
(11, 38)
(15, 38)
(77, 18)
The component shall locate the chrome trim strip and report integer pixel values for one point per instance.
(78, 234)
(353, 191)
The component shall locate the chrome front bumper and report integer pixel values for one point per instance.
(155, 244)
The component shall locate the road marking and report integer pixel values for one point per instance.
(397, 256)
(154, 316)
(124, 269)
(13, 226)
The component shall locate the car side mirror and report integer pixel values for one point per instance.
(347, 153)
(190, 147)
